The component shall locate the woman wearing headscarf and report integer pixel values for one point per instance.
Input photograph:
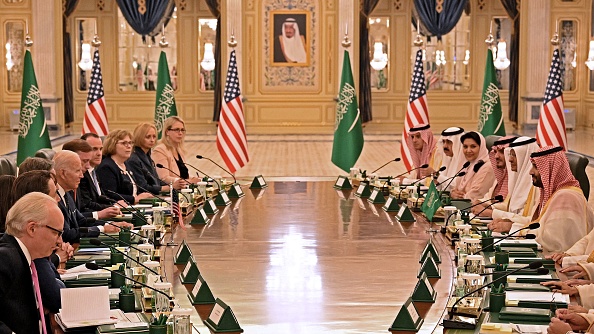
(479, 175)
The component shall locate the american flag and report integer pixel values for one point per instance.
(231, 136)
(175, 212)
(95, 112)
(416, 111)
(551, 125)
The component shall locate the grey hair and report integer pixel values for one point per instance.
(33, 207)
(64, 160)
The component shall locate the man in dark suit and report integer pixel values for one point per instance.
(68, 174)
(87, 200)
(34, 227)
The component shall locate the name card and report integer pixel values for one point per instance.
(225, 197)
(202, 212)
(187, 268)
(238, 189)
(401, 211)
(389, 201)
(196, 288)
(261, 180)
(361, 188)
(339, 182)
(212, 205)
(216, 314)
(373, 195)
(414, 315)
(429, 286)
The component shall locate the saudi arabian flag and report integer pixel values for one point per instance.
(490, 116)
(348, 132)
(165, 100)
(432, 202)
(33, 133)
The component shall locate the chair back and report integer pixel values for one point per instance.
(7, 166)
(490, 140)
(578, 164)
(46, 153)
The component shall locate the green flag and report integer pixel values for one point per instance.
(432, 202)
(490, 116)
(33, 134)
(165, 100)
(348, 132)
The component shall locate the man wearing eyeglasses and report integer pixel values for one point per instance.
(33, 230)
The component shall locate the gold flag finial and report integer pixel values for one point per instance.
(346, 42)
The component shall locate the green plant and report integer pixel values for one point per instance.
(125, 289)
(113, 250)
(159, 321)
(498, 289)
(498, 248)
(122, 267)
(486, 234)
(500, 267)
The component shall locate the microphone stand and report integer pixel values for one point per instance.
(532, 226)
(221, 167)
(98, 242)
(448, 217)
(233, 192)
(453, 324)
(387, 163)
(94, 266)
(221, 198)
(130, 207)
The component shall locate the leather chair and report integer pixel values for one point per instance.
(490, 140)
(578, 164)
(46, 153)
(8, 166)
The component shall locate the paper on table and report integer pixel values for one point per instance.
(84, 304)
(530, 329)
(78, 269)
(537, 296)
(531, 276)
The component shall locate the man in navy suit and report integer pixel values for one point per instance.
(34, 227)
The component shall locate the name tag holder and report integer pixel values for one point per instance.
(222, 319)
(404, 214)
(200, 217)
(430, 250)
(190, 273)
(259, 183)
(222, 199)
(363, 190)
(201, 293)
(342, 183)
(376, 197)
(408, 318)
(183, 254)
(391, 204)
(235, 191)
(424, 291)
(429, 267)
(210, 207)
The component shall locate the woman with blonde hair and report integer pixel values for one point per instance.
(113, 174)
(141, 163)
(171, 154)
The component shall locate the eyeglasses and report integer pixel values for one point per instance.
(58, 232)
(125, 143)
(182, 130)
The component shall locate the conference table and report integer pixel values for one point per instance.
(302, 257)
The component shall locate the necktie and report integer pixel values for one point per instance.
(38, 296)
(94, 177)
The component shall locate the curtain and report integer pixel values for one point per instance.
(367, 6)
(439, 24)
(512, 9)
(69, 7)
(157, 13)
(215, 10)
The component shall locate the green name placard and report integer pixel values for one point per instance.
(183, 254)
(424, 291)
(391, 204)
(190, 273)
(343, 183)
(376, 196)
(235, 191)
(201, 293)
(408, 318)
(363, 190)
(259, 183)
(222, 199)
(222, 319)
(210, 207)
(200, 217)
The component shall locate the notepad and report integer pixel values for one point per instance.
(82, 307)
(537, 296)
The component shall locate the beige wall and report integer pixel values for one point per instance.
(301, 100)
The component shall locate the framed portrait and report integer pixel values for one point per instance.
(290, 38)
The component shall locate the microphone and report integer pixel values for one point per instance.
(497, 199)
(453, 324)
(466, 164)
(155, 196)
(408, 171)
(387, 163)
(138, 234)
(532, 226)
(210, 177)
(539, 271)
(233, 176)
(450, 178)
(130, 207)
(95, 266)
(478, 166)
(172, 172)
(125, 243)
(97, 242)
(441, 169)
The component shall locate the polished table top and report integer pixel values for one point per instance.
(302, 257)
